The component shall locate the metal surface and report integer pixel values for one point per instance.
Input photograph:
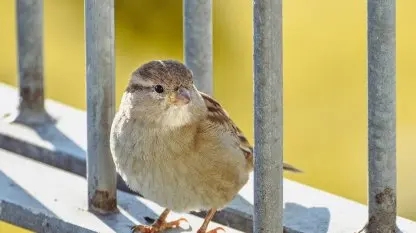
(101, 174)
(29, 16)
(197, 29)
(268, 117)
(382, 116)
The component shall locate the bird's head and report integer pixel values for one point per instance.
(162, 93)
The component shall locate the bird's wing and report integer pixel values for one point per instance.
(218, 116)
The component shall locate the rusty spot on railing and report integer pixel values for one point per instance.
(375, 225)
(385, 196)
(32, 95)
(103, 203)
(381, 220)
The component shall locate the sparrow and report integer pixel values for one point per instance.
(177, 146)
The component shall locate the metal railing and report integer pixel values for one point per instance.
(381, 34)
(100, 72)
(268, 96)
(268, 116)
(197, 41)
(31, 107)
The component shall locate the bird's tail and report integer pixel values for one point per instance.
(291, 168)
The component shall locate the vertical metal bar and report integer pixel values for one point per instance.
(31, 109)
(101, 174)
(268, 116)
(382, 115)
(197, 27)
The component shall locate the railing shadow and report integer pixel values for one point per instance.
(296, 218)
(24, 203)
(18, 204)
(304, 219)
(15, 192)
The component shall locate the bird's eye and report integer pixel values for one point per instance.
(159, 89)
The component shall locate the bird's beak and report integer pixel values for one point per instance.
(180, 97)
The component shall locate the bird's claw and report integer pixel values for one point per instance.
(176, 223)
(157, 227)
(143, 229)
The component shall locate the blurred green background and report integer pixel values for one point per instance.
(325, 76)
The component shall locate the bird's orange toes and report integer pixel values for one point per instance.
(173, 224)
(215, 230)
(157, 226)
(144, 229)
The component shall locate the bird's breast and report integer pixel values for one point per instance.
(150, 163)
(166, 169)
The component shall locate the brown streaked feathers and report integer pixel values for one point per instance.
(218, 115)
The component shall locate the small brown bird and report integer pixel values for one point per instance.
(177, 146)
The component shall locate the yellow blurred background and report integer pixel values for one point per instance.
(9, 228)
(325, 82)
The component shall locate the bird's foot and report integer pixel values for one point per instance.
(215, 230)
(158, 226)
